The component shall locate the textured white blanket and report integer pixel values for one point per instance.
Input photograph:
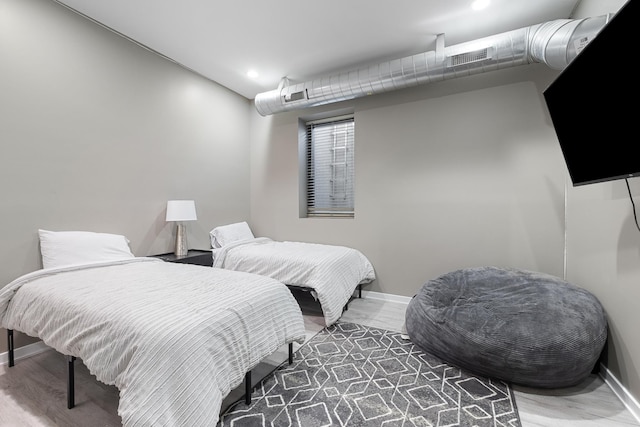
(333, 272)
(175, 339)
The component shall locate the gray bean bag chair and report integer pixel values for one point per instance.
(519, 326)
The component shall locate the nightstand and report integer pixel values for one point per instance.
(193, 256)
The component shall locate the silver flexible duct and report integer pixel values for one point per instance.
(554, 43)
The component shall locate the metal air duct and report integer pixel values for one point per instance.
(554, 43)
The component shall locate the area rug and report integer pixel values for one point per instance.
(353, 375)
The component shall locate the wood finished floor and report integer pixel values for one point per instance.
(33, 392)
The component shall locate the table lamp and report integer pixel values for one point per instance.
(179, 211)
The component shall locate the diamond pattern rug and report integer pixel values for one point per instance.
(352, 375)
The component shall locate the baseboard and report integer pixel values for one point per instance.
(621, 392)
(386, 297)
(24, 352)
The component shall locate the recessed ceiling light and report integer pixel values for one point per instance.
(252, 74)
(480, 4)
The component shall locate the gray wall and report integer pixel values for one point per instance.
(456, 174)
(98, 133)
(603, 251)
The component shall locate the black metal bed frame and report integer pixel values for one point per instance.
(308, 289)
(71, 377)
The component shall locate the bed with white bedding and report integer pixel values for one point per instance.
(174, 339)
(332, 272)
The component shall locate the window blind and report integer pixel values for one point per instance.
(330, 167)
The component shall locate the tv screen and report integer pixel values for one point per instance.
(592, 105)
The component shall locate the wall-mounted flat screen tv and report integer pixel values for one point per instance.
(592, 104)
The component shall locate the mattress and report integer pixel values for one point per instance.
(175, 339)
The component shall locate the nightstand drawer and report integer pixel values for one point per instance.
(194, 256)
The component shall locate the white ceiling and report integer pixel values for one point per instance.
(303, 39)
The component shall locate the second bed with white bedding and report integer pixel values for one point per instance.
(332, 272)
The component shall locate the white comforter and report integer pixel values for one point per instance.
(333, 272)
(175, 339)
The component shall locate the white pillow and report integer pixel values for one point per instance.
(60, 248)
(225, 234)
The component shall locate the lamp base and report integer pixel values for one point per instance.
(181, 241)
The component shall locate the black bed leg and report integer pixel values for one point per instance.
(71, 398)
(10, 346)
(290, 353)
(247, 388)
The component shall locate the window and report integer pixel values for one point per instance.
(329, 167)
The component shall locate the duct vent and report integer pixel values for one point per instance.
(295, 96)
(469, 57)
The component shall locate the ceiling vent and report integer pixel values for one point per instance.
(468, 57)
(554, 43)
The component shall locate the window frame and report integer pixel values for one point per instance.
(305, 153)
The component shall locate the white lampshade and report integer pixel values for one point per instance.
(181, 210)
